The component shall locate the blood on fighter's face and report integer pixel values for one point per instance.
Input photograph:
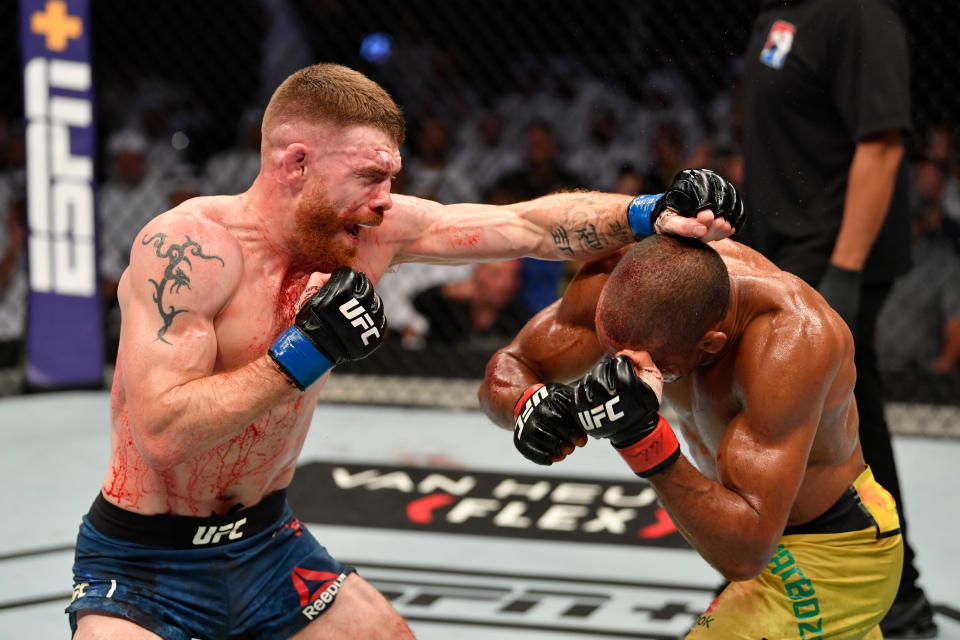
(318, 225)
(672, 366)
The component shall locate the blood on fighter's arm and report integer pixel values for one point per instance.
(183, 270)
(563, 226)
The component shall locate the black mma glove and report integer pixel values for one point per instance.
(691, 191)
(841, 289)
(612, 402)
(544, 421)
(342, 321)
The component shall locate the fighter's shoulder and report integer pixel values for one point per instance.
(197, 221)
(796, 335)
(187, 240)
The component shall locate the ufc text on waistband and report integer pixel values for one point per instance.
(184, 532)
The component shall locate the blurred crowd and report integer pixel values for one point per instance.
(561, 128)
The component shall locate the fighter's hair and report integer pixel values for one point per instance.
(333, 93)
(665, 294)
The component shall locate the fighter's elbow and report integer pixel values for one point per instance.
(747, 563)
(155, 443)
(159, 453)
(740, 571)
(495, 395)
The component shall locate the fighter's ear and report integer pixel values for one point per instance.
(712, 342)
(294, 162)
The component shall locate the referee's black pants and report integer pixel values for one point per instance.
(874, 432)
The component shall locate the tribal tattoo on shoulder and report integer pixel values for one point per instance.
(173, 274)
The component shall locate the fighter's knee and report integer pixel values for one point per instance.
(98, 625)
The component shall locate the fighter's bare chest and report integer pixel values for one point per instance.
(262, 308)
(704, 405)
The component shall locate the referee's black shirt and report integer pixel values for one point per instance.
(820, 75)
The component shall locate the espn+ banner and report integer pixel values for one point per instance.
(64, 333)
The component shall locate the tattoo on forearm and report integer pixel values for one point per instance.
(562, 240)
(176, 254)
(591, 224)
(620, 233)
(589, 239)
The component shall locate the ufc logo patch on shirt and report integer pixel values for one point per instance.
(778, 44)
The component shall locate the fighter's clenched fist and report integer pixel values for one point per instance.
(693, 194)
(546, 428)
(343, 320)
(613, 402)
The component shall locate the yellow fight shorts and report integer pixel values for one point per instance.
(834, 577)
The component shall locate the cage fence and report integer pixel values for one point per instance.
(504, 99)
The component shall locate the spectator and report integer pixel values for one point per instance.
(156, 101)
(665, 99)
(827, 99)
(484, 153)
(522, 108)
(430, 174)
(132, 196)
(919, 326)
(943, 148)
(233, 170)
(13, 234)
(482, 311)
(13, 157)
(604, 151)
(13, 282)
(541, 174)
(628, 180)
(669, 157)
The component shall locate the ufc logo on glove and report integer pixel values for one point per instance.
(352, 310)
(529, 405)
(593, 419)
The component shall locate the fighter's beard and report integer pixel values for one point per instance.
(317, 226)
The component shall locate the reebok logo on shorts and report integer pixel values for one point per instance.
(317, 602)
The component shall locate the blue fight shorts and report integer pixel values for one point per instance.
(253, 573)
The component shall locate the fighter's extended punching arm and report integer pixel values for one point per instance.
(564, 226)
(525, 384)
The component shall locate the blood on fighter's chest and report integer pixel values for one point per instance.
(288, 298)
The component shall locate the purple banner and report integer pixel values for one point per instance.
(64, 333)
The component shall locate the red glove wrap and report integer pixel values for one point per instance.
(654, 452)
(532, 389)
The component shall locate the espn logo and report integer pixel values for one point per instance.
(593, 418)
(352, 310)
(60, 201)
